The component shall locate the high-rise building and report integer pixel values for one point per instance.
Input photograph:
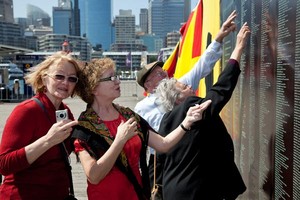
(75, 18)
(37, 17)
(22, 21)
(6, 11)
(144, 20)
(167, 15)
(173, 38)
(11, 34)
(125, 39)
(61, 20)
(125, 27)
(187, 9)
(94, 20)
(152, 42)
(64, 3)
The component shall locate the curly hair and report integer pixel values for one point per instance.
(89, 78)
(167, 94)
(38, 72)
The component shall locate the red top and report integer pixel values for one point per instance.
(47, 177)
(116, 185)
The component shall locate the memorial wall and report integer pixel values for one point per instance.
(260, 115)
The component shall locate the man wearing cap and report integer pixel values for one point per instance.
(150, 76)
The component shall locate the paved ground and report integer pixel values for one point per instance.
(77, 106)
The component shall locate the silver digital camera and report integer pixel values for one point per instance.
(61, 115)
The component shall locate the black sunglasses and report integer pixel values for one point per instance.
(111, 78)
(59, 77)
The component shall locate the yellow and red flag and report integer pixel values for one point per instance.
(170, 63)
(189, 31)
(191, 41)
(211, 25)
(203, 20)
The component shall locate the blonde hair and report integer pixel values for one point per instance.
(37, 73)
(90, 76)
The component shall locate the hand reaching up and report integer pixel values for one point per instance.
(241, 40)
(242, 36)
(227, 27)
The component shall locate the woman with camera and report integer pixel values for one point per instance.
(34, 146)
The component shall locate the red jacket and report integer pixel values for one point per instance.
(47, 177)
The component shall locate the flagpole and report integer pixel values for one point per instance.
(131, 76)
(131, 65)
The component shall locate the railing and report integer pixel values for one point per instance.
(129, 88)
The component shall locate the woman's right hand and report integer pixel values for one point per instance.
(227, 27)
(195, 113)
(97, 170)
(126, 130)
(60, 131)
(56, 134)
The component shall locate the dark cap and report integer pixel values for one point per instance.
(145, 71)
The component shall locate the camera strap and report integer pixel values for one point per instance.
(42, 106)
(62, 148)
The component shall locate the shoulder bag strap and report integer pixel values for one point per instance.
(62, 148)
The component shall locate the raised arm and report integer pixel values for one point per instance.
(211, 55)
(221, 92)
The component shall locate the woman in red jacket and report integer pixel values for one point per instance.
(30, 155)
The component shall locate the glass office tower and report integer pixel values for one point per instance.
(167, 15)
(95, 21)
(61, 20)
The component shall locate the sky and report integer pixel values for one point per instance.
(134, 5)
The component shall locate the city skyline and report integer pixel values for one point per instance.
(20, 6)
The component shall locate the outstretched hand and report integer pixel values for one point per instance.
(195, 113)
(242, 36)
(241, 40)
(227, 27)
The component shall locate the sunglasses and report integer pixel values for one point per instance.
(59, 77)
(111, 78)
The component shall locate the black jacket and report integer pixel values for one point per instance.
(201, 165)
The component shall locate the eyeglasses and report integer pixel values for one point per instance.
(59, 77)
(156, 74)
(111, 78)
(161, 73)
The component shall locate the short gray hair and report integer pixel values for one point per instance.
(167, 94)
